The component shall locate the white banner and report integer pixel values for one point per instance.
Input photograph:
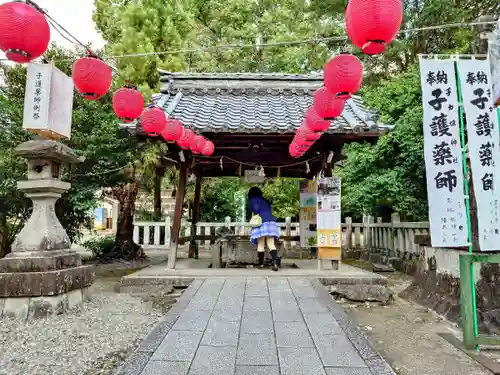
(484, 148)
(308, 213)
(328, 216)
(494, 56)
(443, 156)
(48, 101)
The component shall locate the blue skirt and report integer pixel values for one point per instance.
(267, 229)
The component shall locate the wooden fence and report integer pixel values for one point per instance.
(371, 234)
(157, 235)
(394, 237)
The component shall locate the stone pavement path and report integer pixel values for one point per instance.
(256, 326)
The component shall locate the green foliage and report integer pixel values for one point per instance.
(156, 26)
(221, 197)
(283, 194)
(102, 248)
(392, 171)
(218, 199)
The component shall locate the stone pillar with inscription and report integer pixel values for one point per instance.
(42, 275)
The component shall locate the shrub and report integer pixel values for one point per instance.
(103, 248)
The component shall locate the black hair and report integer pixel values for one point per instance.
(254, 192)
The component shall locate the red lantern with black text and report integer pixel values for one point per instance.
(128, 103)
(172, 130)
(198, 144)
(373, 24)
(24, 32)
(186, 139)
(326, 105)
(153, 120)
(343, 75)
(92, 77)
(208, 148)
(314, 122)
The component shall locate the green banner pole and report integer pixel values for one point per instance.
(467, 201)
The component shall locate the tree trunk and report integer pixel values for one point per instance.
(159, 173)
(125, 247)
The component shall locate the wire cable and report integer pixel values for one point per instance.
(66, 31)
(260, 164)
(102, 173)
(290, 43)
(264, 45)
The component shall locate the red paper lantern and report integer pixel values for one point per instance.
(153, 120)
(302, 144)
(314, 122)
(208, 148)
(186, 139)
(92, 77)
(172, 130)
(327, 105)
(373, 24)
(294, 150)
(198, 144)
(307, 134)
(128, 103)
(24, 32)
(343, 75)
(298, 149)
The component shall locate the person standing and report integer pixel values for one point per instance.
(267, 232)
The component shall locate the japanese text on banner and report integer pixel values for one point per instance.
(484, 151)
(443, 156)
(329, 214)
(307, 213)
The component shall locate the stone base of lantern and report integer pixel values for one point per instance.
(40, 285)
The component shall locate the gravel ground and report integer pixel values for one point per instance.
(91, 340)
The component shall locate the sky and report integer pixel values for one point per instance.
(75, 16)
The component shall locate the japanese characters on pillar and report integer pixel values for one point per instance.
(443, 154)
(484, 150)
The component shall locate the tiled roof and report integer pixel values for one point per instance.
(253, 103)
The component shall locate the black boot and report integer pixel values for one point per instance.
(261, 259)
(274, 256)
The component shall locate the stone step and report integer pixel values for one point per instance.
(379, 267)
(375, 258)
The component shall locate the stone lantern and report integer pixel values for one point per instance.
(42, 275)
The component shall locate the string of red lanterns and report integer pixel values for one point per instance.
(154, 121)
(371, 25)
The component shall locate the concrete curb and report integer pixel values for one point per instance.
(376, 363)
